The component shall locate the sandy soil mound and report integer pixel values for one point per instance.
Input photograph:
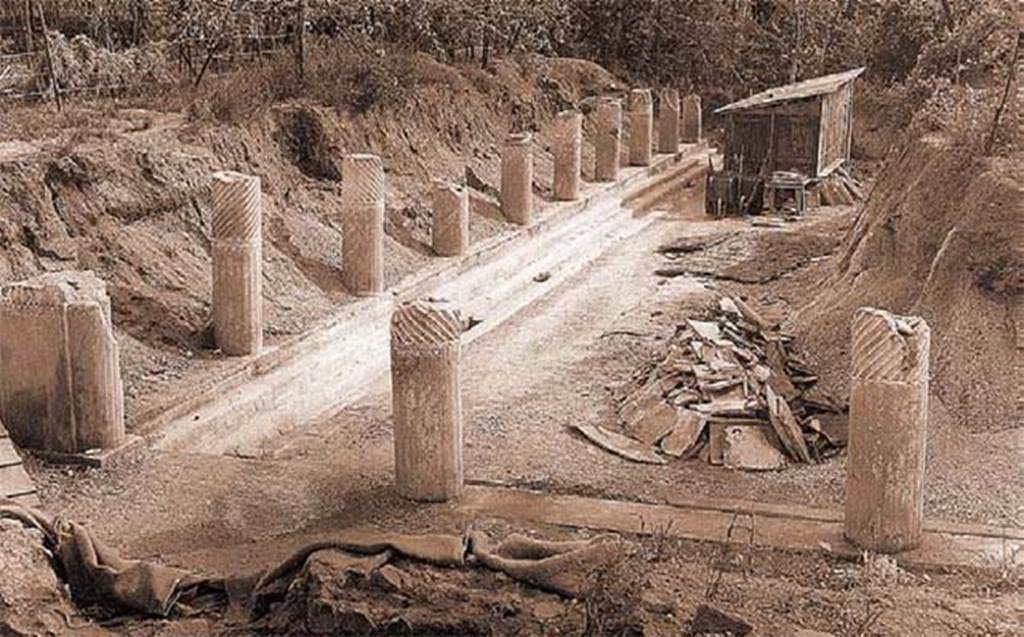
(126, 194)
(942, 237)
(32, 600)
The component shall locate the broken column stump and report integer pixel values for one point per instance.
(888, 425)
(607, 139)
(450, 231)
(691, 120)
(237, 249)
(641, 127)
(362, 201)
(426, 401)
(60, 374)
(567, 148)
(517, 178)
(668, 121)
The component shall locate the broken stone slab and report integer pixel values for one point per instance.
(654, 423)
(620, 445)
(786, 426)
(737, 407)
(749, 448)
(705, 329)
(683, 439)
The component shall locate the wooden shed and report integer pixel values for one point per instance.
(803, 127)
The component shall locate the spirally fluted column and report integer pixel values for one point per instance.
(567, 149)
(237, 263)
(641, 127)
(608, 139)
(668, 120)
(888, 427)
(426, 400)
(362, 202)
(517, 179)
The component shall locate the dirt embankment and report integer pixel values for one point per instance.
(125, 194)
(942, 237)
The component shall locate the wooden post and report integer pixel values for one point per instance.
(300, 42)
(49, 59)
(888, 429)
(28, 26)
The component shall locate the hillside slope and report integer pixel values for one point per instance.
(942, 236)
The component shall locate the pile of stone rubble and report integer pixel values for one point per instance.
(731, 392)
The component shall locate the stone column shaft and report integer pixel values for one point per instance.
(888, 427)
(608, 142)
(426, 400)
(237, 263)
(641, 127)
(517, 179)
(450, 230)
(362, 202)
(567, 151)
(691, 124)
(668, 121)
(60, 375)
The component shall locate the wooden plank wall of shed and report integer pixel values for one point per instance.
(787, 133)
(835, 129)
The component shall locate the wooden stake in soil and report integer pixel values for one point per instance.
(49, 60)
(888, 427)
(426, 400)
(237, 263)
(300, 39)
(608, 139)
(668, 121)
(450, 231)
(641, 127)
(692, 133)
(567, 148)
(517, 179)
(362, 200)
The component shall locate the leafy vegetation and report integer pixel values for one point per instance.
(947, 54)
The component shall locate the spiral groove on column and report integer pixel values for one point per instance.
(362, 180)
(886, 347)
(237, 213)
(426, 324)
(362, 200)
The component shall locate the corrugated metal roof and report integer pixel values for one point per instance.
(800, 90)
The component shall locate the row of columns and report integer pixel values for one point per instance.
(676, 123)
(888, 418)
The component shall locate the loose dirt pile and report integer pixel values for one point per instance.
(125, 193)
(942, 237)
(32, 600)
